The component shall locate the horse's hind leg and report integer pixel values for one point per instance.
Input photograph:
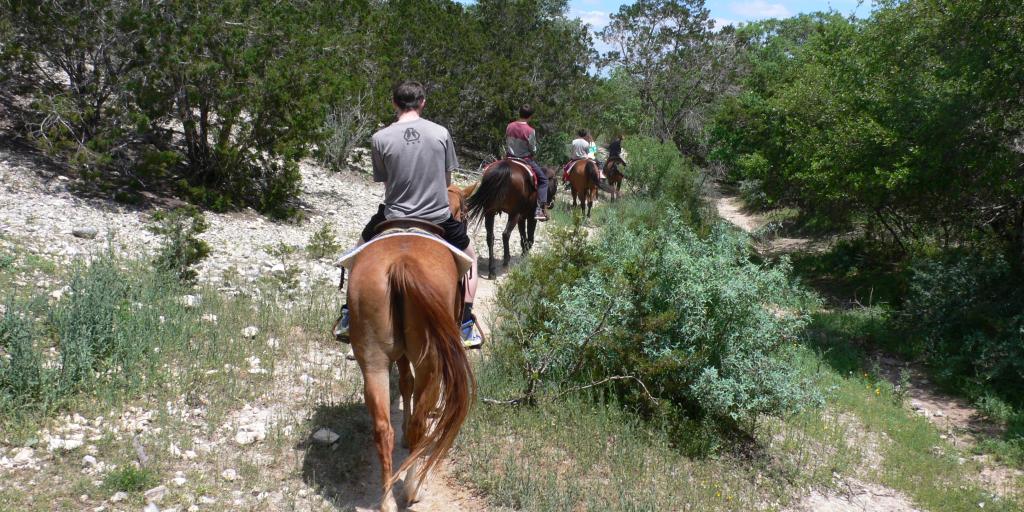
(524, 243)
(405, 383)
(426, 394)
(505, 236)
(377, 400)
(489, 224)
(531, 228)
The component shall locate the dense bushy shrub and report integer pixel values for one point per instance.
(693, 319)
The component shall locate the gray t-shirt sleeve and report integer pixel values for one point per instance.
(450, 160)
(380, 174)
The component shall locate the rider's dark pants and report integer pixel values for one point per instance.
(542, 182)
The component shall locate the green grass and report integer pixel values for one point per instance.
(129, 478)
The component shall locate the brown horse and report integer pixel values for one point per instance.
(506, 187)
(614, 173)
(405, 305)
(584, 181)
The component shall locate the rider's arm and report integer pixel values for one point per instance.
(450, 160)
(533, 143)
(380, 174)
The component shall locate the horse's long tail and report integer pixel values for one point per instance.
(490, 191)
(454, 375)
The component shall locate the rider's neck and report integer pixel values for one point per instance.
(410, 115)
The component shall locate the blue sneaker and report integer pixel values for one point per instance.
(471, 337)
(341, 326)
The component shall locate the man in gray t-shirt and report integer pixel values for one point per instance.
(414, 159)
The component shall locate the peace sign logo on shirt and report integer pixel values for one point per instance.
(411, 136)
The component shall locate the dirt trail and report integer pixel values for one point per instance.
(959, 421)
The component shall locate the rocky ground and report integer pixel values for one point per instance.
(39, 206)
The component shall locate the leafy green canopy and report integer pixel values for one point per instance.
(224, 97)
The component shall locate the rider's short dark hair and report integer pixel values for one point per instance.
(408, 95)
(526, 111)
(581, 133)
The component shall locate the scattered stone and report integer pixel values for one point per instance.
(189, 455)
(210, 317)
(206, 500)
(179, 481)
(249, 434)
(250, 331)
(156, 494)
(272, 342)
(229, 474)
(85, 232)
(56, 443)
(119, 496)
(151, 507)
(325, 436)
(23, 456)
(278, 268)
(190, 301)
(306, 379)
(88, 460)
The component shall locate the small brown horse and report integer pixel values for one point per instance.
(614, 173)
(584, 181)
(457, 202)
(506, 187)
(405, 305)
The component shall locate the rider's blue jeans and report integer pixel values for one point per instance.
(542, 182)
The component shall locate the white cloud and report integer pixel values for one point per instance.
(596, 19)
(760, 9)
(721, 23)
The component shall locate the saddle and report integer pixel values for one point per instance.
(525, 165)
(406, 227)
(408, 224)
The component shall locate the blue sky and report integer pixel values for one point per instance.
(595, 12)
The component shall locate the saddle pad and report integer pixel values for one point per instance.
(568, 166)
(529, 170)
(462, 261)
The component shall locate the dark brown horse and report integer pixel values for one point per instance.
(612, 169)
(405, 305)
(506, 187)
(584, 181)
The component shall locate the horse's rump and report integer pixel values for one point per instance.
(495, 189)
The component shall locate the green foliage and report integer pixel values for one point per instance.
(966, 315)
(251, 86)
(22, 380)
(677, 65)
(181, 249)
(706, 331)
(857, 119)
(129, 478)
(658, 170)
(323, 243)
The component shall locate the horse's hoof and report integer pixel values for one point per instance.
(388, 504)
